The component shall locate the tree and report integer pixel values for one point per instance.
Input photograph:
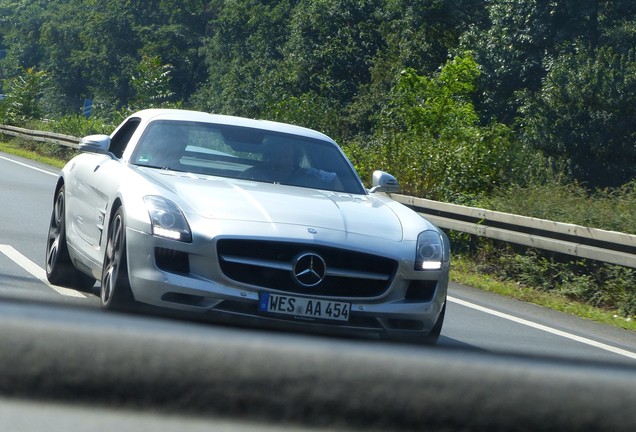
(91, 48)
(310, 110)
(60, 40)
(584, 114)
(243, 56)
(522, 37)
(511, 51)
(430, 137)
(20, 24)
(415, 34)
(331, 46)
(175, 31)
(423, 106)
(22, 102)
(151, 84)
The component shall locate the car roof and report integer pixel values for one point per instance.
(153, 114)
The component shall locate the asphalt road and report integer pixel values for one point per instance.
(499, 364)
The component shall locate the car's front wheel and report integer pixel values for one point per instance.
(59, 267)
(436, 331)
(115, 290)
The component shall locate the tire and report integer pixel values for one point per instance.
(418, 338)
(115, 292)
(433, 336)
(59, 267)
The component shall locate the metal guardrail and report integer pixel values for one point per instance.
(41, 136)
(575, 240)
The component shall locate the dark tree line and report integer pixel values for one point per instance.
(462, 95)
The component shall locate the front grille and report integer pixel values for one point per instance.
(270, 264)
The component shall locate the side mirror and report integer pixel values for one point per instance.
(95, 144)
(384, 182)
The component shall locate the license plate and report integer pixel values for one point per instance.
(303, 307)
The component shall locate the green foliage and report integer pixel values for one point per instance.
(590, 282)
(562, 74)
(510, 51)
(522, 36)
(268, 55)
(151, 84)
(309, 110)
(440, 106)
(584, 114)
(600, 285)
(80, 126)
(91, 48)
(243, 55)
(430, 138)
(22, 102)
(609, 209)
(174, 31)
(417, 35)
(332, 45)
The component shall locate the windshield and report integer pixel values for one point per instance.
(246, 153)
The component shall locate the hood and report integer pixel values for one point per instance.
(243, 200)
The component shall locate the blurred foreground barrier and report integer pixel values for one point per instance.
(596, 244)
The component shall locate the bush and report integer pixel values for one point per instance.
(584, 114)
(430, 139)
(586, 281)
(22, 102)
(609, 209)
(79, 126)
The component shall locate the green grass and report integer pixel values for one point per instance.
(462, 272)
(14, 148)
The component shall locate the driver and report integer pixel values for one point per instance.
(281, 161)
(163, 147)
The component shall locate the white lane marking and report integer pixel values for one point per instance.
(546, 329)
(29, 166)
(36, 271)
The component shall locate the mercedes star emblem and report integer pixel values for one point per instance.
(309, 269)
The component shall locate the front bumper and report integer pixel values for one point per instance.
(204, 290)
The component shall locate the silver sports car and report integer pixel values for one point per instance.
(252, 221)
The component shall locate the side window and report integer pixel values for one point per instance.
(119, 141)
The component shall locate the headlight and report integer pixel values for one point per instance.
(430, 252)
(167, 219)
